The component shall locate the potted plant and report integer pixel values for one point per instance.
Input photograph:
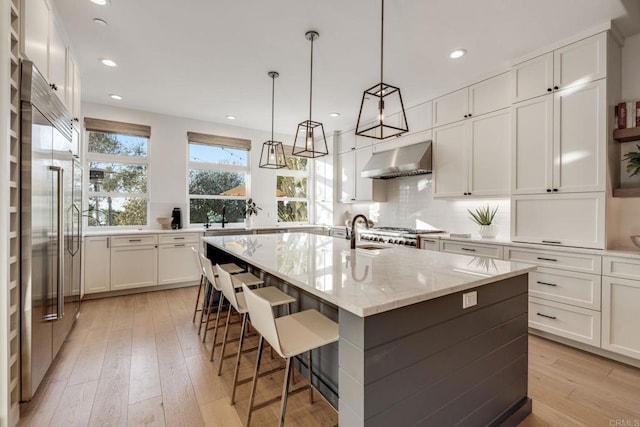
(633, 161)
(250, 210)
(484, 218)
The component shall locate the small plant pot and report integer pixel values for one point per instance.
(248, 222)
(488, 231)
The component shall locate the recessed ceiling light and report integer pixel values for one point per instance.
(231, 117)
(115, 96)
(458, 53)
(100, 2)
(100, 22)
(334, 115)
(108, 62)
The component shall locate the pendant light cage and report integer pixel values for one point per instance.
(310, 137)
(374, 120)
(272, 154)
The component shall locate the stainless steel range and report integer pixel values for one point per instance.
(395, 235)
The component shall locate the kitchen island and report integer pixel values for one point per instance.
(425, 338)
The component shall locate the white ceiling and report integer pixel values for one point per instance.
(204, 59)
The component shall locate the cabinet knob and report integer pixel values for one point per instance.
(470, 114)
(555, 190)
(556, 88)
(465, 116)
(549, 90)
(53, 86)
(548, 190)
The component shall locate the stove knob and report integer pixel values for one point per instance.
(412, 243)
(407, 243)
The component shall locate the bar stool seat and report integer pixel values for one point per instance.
(289, 336)
(246, 278)
(230, 267)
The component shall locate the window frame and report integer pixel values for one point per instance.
(222, 142)
(295, 174)
(121, 129)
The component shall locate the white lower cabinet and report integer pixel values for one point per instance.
(97, 264)
(176, 260)
(429, 244)
(471, 249)
(134, 266)
(620, 306)
(575, 323)
(561, 219)
(115, 263)
(564, 292)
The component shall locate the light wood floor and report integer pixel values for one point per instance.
(137, 360)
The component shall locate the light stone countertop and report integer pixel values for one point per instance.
(618, 252)
(364, 282)
(97, 231)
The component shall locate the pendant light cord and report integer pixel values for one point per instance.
(311, 77)
(273, 92)
(381, 46)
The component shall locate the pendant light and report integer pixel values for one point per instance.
(272, 154)
(372, 121)
(310, 139)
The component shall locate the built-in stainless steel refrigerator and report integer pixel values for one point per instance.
(51, 200)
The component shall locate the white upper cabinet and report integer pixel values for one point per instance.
(532, 151)
(35, 25)
(44, 44)
(481, 98)
(580, 62)
(490, 95)
(352, 187)
(451, 108)
(58, 63)
(564, 220)
(572, 65)
(533, 78)
(347, 141)
(324, 179)
(471, 158)
(559, 141)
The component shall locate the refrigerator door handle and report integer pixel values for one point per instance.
(77, 236)
(60, 286)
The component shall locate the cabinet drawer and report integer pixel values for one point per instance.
(579, 289)
(178, 238)
(474, 249)
(134, 240)
(625, 268)
(569, 261)
(575, 323)
(429, 243)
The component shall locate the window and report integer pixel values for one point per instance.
(117, 160)
(218, 171)
(291, 189)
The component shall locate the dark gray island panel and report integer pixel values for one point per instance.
(435, 363)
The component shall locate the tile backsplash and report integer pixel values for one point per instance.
(410, 203)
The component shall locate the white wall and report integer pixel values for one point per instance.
(410, 203)
(629, 221)
(168, 158)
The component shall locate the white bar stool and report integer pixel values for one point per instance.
(273, 295)
(289, 336)
(230, 267)
(237, 281)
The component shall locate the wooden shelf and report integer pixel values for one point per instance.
(626, 135)
(626, 192)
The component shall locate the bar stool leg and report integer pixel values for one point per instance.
(195, 310)
(215, 328)
(255, 380)
(285, 390)
(310, 378)
(224, 340)
(208, 306)
(235, 372)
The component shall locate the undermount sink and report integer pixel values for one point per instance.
(371, 246)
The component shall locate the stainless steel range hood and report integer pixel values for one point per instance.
(403, 161)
